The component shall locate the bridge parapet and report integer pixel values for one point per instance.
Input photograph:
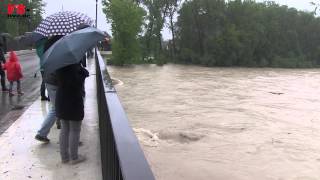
(121, 154)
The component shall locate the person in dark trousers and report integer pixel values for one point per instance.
(52, 86)
(40, 45)
(2, 73)
(70, 109)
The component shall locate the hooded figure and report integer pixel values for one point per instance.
(13, 67)
(14, 72)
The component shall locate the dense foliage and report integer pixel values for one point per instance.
(126, 19)
(19, 25)
(224, 33)
(246, 33)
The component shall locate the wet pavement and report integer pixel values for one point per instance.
(12, 108)
(22, 157)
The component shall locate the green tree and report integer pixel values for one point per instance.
(126, 19)
(247, 33)
(172, 8)
(20, 25)
(156, 13)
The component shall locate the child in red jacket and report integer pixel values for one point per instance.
(14, 72)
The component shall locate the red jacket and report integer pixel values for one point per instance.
(13, 68)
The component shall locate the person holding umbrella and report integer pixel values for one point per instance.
(54, 27)
(70, 109)
(64, 58)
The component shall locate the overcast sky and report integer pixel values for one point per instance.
(88, 7)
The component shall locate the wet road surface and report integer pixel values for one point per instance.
(12, 108)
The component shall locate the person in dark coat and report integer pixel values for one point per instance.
(70, 109)
(2, 73)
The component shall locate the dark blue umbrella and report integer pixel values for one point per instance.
(62, 23)
(70, 48)
(36, 36)
(30, 38)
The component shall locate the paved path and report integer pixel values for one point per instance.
(12, 108)
(22, 157)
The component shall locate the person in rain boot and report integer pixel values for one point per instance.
(14, 73)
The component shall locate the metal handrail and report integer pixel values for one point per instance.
(121, 154)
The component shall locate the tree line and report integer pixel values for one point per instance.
(19, 25)
(215, 33)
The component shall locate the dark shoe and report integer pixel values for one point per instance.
(80, 159)
(44, 99)
(65, 161)
(5, 90)
(58, 126)
(11, 94)
(20, 93)
(58, 123)
(42, 139)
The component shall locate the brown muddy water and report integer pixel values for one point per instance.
(197, 123)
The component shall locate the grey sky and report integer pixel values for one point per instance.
(88, 7)
(298, 4)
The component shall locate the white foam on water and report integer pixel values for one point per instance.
(116, 82)
(146, 137)
(180, 136)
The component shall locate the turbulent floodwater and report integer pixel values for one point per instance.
(197, 123)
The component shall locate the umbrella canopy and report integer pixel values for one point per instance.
(62, 23)
(35, 36)
(70, 48)
(30, 38)
(7, 35)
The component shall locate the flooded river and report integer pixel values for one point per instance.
(197, 123)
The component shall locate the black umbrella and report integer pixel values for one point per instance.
(62, 23)
(30, 38)
(70, 49)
